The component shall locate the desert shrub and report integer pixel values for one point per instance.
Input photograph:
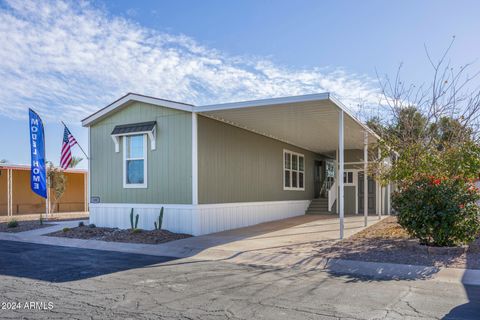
(81, 224)
(66, 229)
(12, 224)
(439, 211)
(92, 225)
(136, 230)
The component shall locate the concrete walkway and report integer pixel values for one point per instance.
(273, 244)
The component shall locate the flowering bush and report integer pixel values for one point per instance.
(439, 211)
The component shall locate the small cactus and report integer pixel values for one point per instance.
(160, 220)
(136, 221)
(131, 218)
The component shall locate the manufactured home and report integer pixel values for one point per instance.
(224, 166)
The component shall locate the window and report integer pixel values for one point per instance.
(348, 178)
(135, 161)
(293, 171)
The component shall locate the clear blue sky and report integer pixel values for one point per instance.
(66, 60)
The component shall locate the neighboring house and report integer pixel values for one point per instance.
(225, 166)
(17, 197)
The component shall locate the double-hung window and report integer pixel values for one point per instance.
(135, 161)
(348, 178)
(293, 170)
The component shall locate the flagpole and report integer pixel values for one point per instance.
(78, 143)
(48, 193)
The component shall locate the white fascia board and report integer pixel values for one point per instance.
(135, 97)
(264, 102)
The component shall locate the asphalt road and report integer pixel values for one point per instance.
(68, 283)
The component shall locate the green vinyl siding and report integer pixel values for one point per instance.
(236, 165)
(169, 172)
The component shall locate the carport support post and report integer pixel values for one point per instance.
(380, 190)
(341, 168)
(365, 177)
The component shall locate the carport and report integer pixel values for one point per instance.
(319, 123)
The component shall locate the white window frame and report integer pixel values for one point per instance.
(145, 173)
(354, 177)
(285, 151)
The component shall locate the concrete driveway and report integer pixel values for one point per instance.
(268, 238)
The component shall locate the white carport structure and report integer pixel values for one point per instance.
(318, 122)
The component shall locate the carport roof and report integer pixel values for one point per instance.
(307, 121)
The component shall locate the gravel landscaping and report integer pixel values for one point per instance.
(23, 226)
(386, 241)
(120, 235)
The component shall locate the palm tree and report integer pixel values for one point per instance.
(75, 161)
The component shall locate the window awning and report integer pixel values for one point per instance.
(148, 128)
(141, 127)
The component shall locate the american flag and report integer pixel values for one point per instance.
(68, 142)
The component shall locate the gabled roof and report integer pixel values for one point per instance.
(129, 97)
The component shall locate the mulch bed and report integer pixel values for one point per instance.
(23, 226)
(120, 235)
(387, 241)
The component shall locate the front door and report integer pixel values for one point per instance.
(371, 194)
(317, 178)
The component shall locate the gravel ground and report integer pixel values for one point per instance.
(23, 226)
(386, 241)
(120, 235)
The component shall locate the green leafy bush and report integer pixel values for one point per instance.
(81, 224)
(439, 211)
(12, 224)
(136, 230)
(92, 225)
(66, 229)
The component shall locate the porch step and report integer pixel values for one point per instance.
(318, 206)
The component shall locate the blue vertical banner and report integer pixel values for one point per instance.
(38, 172)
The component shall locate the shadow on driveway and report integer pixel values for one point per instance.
(62, 264)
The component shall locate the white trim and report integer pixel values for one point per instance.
(365, 178)
(264, 102)
(116, 142)
(341, 168)
(298, 171)
(145, 166)
(89, 159)
(134, 97)
(194, 158)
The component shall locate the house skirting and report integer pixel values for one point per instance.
(195, 219)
